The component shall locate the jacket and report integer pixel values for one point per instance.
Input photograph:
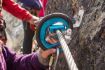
(11, 61)
(15, 9)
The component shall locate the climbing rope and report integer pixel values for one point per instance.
(68, 55)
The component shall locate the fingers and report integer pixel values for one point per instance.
(50, 38)
(33, 20)
(46, 53)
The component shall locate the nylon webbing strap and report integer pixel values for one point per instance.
(68, 55)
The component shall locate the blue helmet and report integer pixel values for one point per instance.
(34, 4)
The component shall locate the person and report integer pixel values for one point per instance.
(37, 8)
(34, 61)
(10, 60)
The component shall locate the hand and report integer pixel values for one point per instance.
(34, 20)
(43, 56)
(46, 53)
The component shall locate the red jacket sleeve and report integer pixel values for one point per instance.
(16, 10)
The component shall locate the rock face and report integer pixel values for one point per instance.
(88, 43)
